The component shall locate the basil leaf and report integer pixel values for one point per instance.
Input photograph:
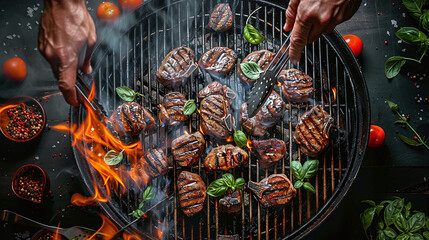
(75, 238)
(137, 213)
(392, 209)
(297, 169)
(389, 232)
(426, 235)
(381, 236)
(251, 70)
(416, 222)
(416, 236)
(239, 183)
(411, 35)
(385, 201)
(240, 138)
(380, 225)
(148, 194)
(393, 66)
(370, 202)
(414, 7)
(229, 180)
(366, 218)
(402, 236)
(217, 188)
(112, 158)
(252, 35)
(309, 168)
(393, 106)
(424, 20)
(427, 223)
(401, 223)
(309, 187)
(189, 107)
(379, 208)
(126, 93)
(298, 184)
(409, 141)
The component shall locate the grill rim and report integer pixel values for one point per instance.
(363, 110)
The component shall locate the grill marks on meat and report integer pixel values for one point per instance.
(192, 192)
(312, 131)
(225, 157)
(263, 58)
(218, 61)
(275, 190)
(130, 118)
(296, 85)
(154, 163)
(221, 18)
(188, 148)
(216, 88)
(269, 151)
(231, 203)
(216, 118)
(171, 111)
(176, 67)
(267, 117)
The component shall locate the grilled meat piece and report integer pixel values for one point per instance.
(221, 18)
(154, 163)
(269, 151)
(275, 190)
(176, 67)
(231, 202)
(188, 148)
(216, 119)
(192, 192)
(131, 118)
(267, 117)
(218, 61)
(225, 157)
(296, 85)
(216, 88)
(171, 111)
(262, 57)
(312, 131)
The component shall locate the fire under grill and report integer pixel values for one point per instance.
(131, 58)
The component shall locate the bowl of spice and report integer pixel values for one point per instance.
(22, 119)
(30, 183)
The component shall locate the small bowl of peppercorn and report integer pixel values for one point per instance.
(22, 119)
(30, 182)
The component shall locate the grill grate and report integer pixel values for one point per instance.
(131, 58)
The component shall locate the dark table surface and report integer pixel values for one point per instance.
(385, 170)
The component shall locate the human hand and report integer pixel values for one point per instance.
(308, 19)
(66, 27)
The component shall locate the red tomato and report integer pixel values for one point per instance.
(15, 69)
(376, 136)
(129, 5)
(355, 44)
(108, 12)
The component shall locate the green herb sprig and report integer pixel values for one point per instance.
(147, 195)
(393, 219)
(251, 70)
(302, 172)
(189, 107)
(218, 187)
(240, 138)
(127, 94)
(251, 34)
(112, 157)
(419, 141)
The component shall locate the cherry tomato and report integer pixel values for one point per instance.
(376, 136)
(108, 12)
(15, 69)
(129, 5)
(355, 44)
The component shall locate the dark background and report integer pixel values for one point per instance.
(384, 170)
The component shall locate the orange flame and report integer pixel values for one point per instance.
(230, 139)
(279, 84)
(186, 132)
(249, 144)
(8, 107)
(57, 235)
(334, 92)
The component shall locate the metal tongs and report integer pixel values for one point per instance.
(265, 84)
(83, 91)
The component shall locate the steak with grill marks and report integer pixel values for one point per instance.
(130, 118)
(218, 61)
(188, 148)
(267, 117)
(154, 163)
(176, 67)
(192, 192)
(221, 18)
(225, 157)
(216, 88)
(231, 202)
(275, 190)
(269, 151)
(295, 85)
(262, 57)
(312, 131)
(216, 118)
(171, 110)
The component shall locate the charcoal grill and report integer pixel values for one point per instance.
(131, 56)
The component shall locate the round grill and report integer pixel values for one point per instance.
(130, 57)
